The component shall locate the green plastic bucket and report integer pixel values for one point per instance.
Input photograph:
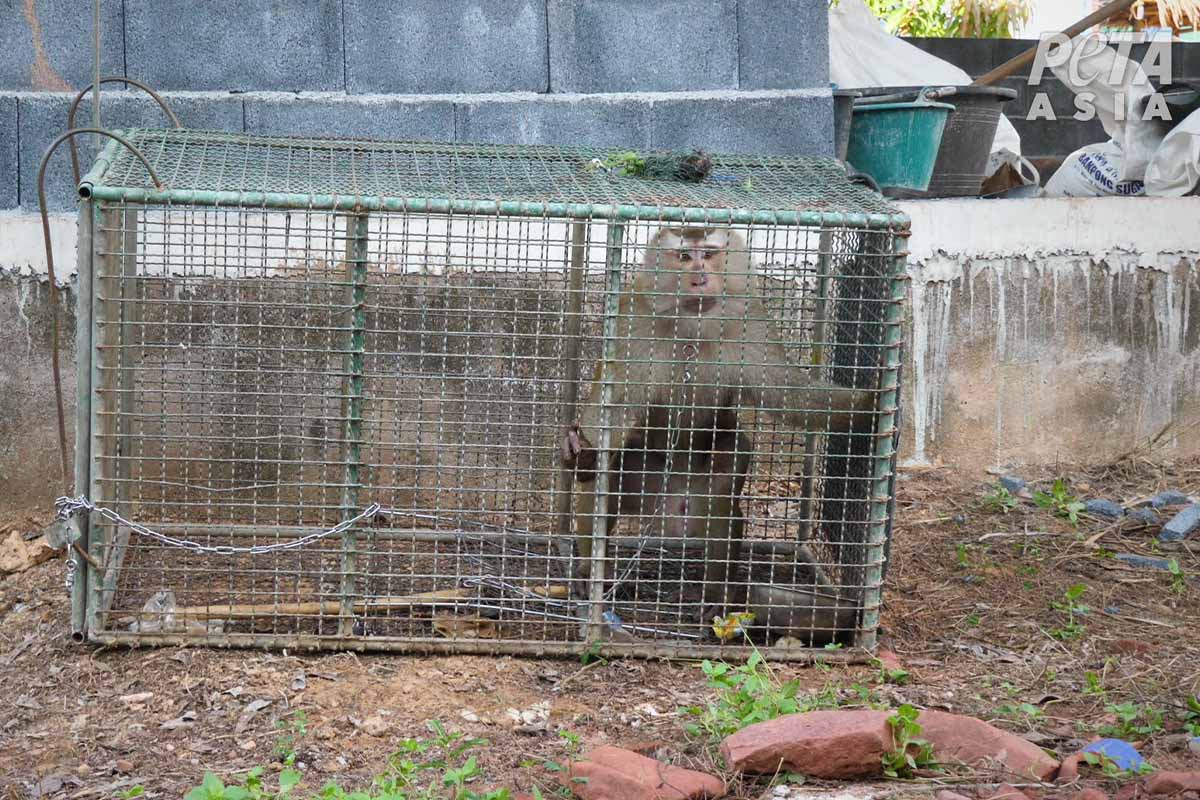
(897, 143)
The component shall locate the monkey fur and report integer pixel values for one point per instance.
(693, 347)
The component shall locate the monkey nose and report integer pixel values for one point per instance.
(700, 279)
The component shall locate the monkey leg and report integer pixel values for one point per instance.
(717, 517)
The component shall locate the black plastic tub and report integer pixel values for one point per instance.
(962, 160)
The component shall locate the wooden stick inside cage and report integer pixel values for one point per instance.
(332, 387)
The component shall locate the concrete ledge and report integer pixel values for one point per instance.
(783, 44)
(43, 117)
(430, 46)
(378, 117)
(234, 44)
(47, 45)
(632, 45)
(550, 119)
(794, 124)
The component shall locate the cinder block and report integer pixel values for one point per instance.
(783, 44)
(633, 45)
(43, 117)
(239, 45)
(47, 45)
(789, 125)
(435, 46)
(593, 121)
(350, 116)
(9, 173)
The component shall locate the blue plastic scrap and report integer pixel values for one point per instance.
(1124, 755)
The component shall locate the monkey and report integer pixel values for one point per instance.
(694, 347)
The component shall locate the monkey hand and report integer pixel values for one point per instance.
(577, 454)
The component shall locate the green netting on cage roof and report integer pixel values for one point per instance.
(212, 168)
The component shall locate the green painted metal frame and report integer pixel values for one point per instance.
(88, 595)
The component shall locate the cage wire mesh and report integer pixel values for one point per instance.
(330, 382)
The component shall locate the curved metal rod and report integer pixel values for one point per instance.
(41, 184)
(113, 79)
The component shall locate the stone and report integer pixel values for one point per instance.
(1193, 745)
(1013, 484)
(1068, 770)
(821, 744)
(1144, 515)
(946, 794)
(1143, 562)
(786, 123)
(1090, 794)
(768, 28)
(1132, 647)
(59, 58)
(1005, 791)
(554, 119)
(1182, 525)
(1169, 497)
(1173, 782)
(18, 555)
(1129, 791)
(43, 116)
(613, 772)
(971, 741)
(9, 156)
(235, 45)
(599, 46)
(1103, 508)
(360, 117)
(435, 47)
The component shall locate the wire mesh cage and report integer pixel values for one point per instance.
(340, 394)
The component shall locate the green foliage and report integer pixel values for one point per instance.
(983, 19)
(292, 731)
(1191, 717)
(1026, 711)
(909, 752)
(752, 693)
(746, 694)
(1070, 606)
(1134, 721)
(1001, 500)
(1060, 501)
(438, 768)
(1092, 683)
(1178, 577)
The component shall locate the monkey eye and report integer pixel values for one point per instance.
(685, 257)
(708, 254)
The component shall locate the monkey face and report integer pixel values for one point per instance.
(693, 270)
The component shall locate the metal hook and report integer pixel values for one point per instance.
(41, 184)
(113, 79)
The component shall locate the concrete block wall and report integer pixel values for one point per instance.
(734, 75)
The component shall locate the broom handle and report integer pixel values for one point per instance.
(1016, 63)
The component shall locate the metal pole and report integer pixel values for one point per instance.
(96, 68)
(612, 299)
(356, 268)
(83, 412)
(884, 456)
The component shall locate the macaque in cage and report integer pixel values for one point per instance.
(693, 349)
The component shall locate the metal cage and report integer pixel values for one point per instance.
(323, 384)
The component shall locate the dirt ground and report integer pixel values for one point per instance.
(970, 613)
